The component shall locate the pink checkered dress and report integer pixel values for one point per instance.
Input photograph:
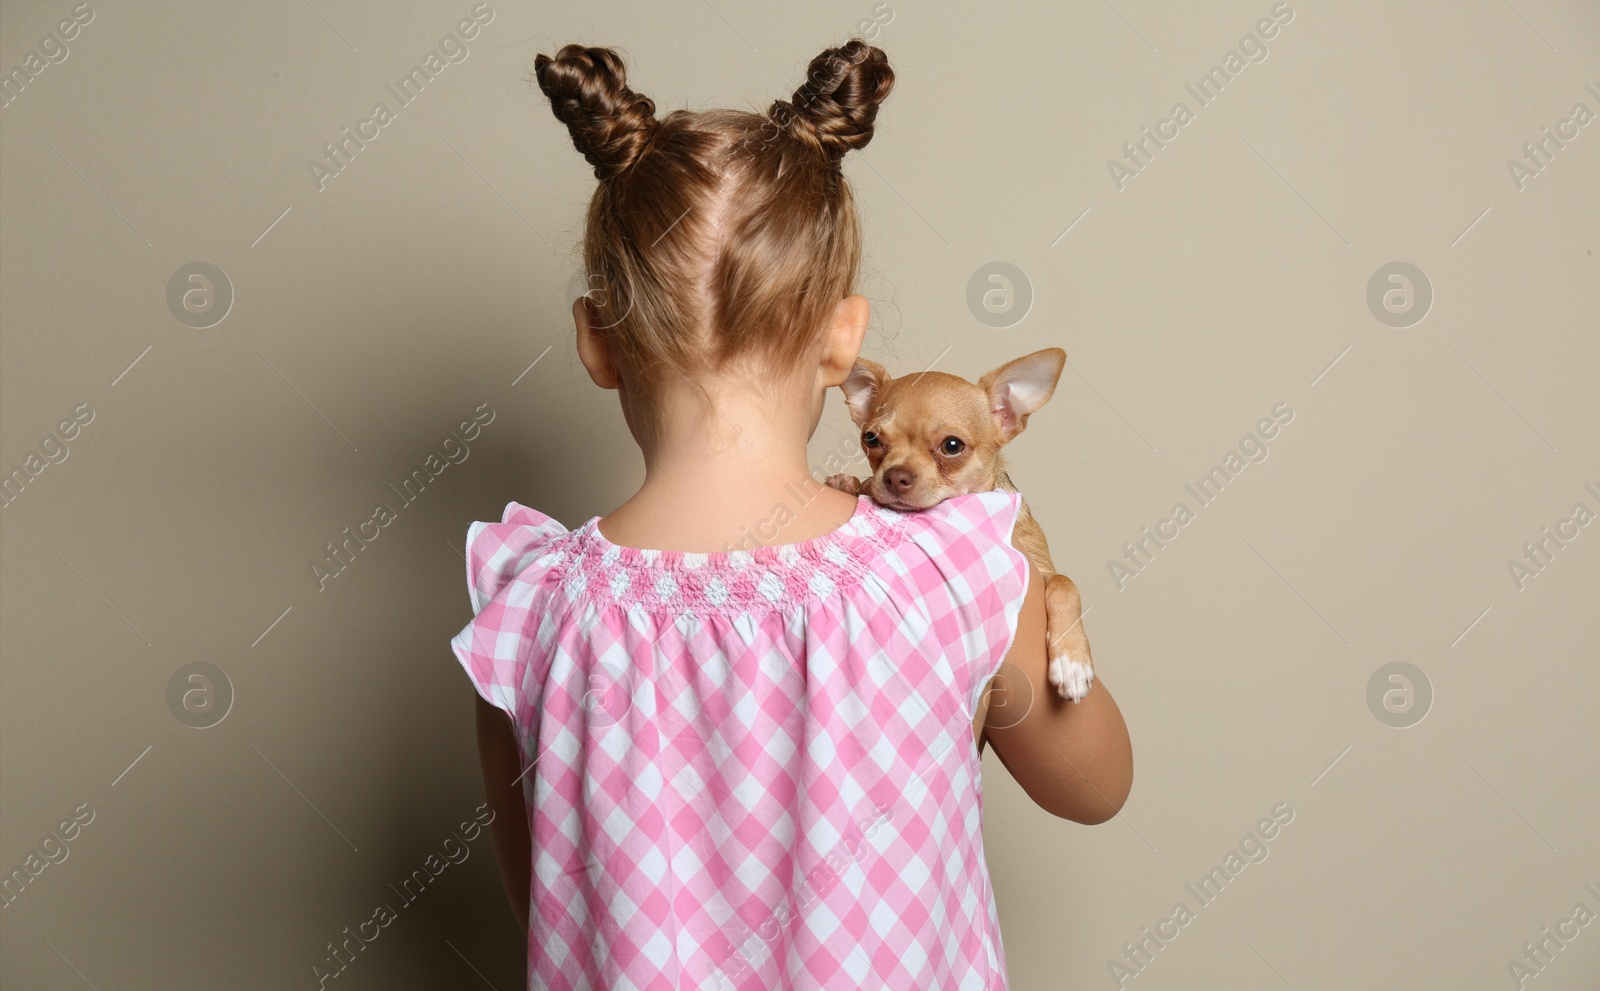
(752, 769)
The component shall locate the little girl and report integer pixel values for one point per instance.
(731, 731)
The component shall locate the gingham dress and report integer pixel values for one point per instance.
(752, 769)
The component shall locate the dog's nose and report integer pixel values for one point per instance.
(899, 479)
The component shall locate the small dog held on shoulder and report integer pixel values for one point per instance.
(932, 435)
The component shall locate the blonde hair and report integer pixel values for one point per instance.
(717, 236)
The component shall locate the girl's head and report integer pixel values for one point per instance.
(721, 246)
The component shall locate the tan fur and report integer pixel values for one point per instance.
(912, 418)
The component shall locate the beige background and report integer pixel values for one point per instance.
(375, 315)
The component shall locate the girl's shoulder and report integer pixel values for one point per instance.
(971, 523)
(497, 553)
(952, 564)
(963, 540)
(964, 545)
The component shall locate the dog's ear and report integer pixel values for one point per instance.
(866, 378)
(1018, 388)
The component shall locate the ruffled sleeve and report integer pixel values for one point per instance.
(974, 581)
(505, 562)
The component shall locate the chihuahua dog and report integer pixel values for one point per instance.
(932, 435)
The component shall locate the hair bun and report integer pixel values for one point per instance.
(834, 110)
(609, 123)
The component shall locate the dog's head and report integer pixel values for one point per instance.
(929, 436)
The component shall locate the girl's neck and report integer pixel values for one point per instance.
(729, 484)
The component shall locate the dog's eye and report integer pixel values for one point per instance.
(870, 439)
(951, 446)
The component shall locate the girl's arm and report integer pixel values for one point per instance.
(1072, 758)
(497, 750)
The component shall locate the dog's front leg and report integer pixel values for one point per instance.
(844, 483)
(1071, 667)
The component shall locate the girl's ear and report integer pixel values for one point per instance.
(1018, 388)
(842, 344)
(865, 380)
(593, 350)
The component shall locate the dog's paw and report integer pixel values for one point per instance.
(1071, 678)
(844, 483)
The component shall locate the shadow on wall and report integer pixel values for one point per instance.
(488, 418)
